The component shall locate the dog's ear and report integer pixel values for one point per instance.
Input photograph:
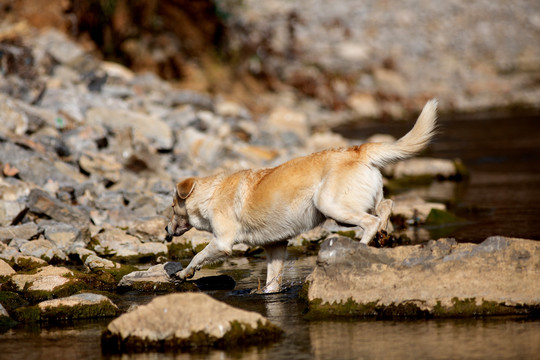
(185, 188)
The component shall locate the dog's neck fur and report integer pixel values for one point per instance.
(198, 204)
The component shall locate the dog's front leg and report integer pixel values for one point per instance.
(209, 254)
(275, 258)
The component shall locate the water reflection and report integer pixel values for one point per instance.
(448, 339)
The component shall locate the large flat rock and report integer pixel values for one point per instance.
(442, 278)
(187, 321)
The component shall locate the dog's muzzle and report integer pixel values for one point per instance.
(179, 231)
(168, 237)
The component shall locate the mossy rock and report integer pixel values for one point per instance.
(64, 313)
(27, 263)
(136, 259)
(105, 279)
(308, 248)
(73, 286)
(239, 336)
(11, 300)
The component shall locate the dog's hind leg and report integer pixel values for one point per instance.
(383, 211)
(275, 258)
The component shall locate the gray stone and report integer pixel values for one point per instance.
(102, 165)
(155, 275)
(13, 120)
(24, 231)
(442, 278)
(64, 236)
(43, 249)
(12, 189)
(36, 168)
(186, 320)
(154, 129)
(149, 229)
(204, 151)
(59, 46)
(188, 97)
(40, 202)
(95, 262)
(117, 243)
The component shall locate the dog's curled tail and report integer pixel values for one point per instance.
(411, 143)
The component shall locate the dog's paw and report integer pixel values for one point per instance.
(183, 275)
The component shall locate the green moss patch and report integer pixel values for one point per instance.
(469, 308)
(162, 287)
(394, 186)
(6, 322)
(239, 336)
(11, 300)
(105, 279)
(308, 248)
(410, 310)
(179, 251)
(63, 313)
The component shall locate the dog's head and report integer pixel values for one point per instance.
(179, 223)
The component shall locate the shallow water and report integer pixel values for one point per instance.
(501, 197)
(501, 338)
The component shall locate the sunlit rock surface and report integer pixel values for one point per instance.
(187, 321)
(441, 278)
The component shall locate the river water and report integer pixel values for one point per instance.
(501, 197)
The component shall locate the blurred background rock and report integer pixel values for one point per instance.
(369, 59)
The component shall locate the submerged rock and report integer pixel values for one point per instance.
(440, 279)
(189, 321)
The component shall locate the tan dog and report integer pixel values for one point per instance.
(266, 207)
